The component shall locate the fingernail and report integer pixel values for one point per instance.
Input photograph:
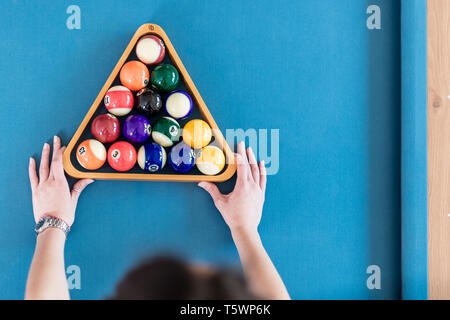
(31, 159)
(263, 163)
(46, 145)
(54, 138)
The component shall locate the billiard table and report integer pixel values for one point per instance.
(346, 101)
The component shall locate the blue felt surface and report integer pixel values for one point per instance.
(308, 68)
(414, 154)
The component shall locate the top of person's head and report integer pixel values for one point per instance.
(171, 278)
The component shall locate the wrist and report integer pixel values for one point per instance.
(48, 221)
(244, 230)
(245, 236)
(58, 215)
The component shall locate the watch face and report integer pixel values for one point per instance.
(40, 224)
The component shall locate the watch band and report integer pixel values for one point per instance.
(48, 221)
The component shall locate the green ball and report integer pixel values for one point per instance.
(166, 132)
(164, 77)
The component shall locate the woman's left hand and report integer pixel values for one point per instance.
(50, 192)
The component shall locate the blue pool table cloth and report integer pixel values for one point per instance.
(340, 94)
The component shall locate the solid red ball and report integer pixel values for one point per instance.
(122, 156)
(105, 128)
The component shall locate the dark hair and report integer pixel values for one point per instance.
(171, 278)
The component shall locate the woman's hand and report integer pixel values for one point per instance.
(50, 192)
(242, 208)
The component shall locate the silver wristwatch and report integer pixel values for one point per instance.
(51, 222)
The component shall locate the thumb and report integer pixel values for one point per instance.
(212, 189)
(79, 186)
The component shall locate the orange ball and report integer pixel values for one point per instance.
(91, 154)
(134, 75)
(197, 133)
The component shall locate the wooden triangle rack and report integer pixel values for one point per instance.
(71, 165)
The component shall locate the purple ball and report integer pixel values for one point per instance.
(136, 129)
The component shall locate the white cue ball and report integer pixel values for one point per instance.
(179, 105)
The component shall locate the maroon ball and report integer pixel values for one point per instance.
(105, 128)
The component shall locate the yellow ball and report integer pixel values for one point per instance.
(197, 133)
(210, 161)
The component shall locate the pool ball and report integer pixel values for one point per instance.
(197, 133)
(134, 75)
(121, 156)
(136, 128)
(150, 49)
(119, 100)
(166, 131)
(181, 158)
(105, 128)
(148, 102)
(164, 77)
(91, 154)
(151, 157)
(210, 160)
(179, 104)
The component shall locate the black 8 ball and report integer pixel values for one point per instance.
(148, 102)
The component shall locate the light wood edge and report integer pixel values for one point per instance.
(438, 145)
(150, 28)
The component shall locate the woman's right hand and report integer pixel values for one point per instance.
(242, 208)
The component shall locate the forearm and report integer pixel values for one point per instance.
(261, 274)
(47, 277)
